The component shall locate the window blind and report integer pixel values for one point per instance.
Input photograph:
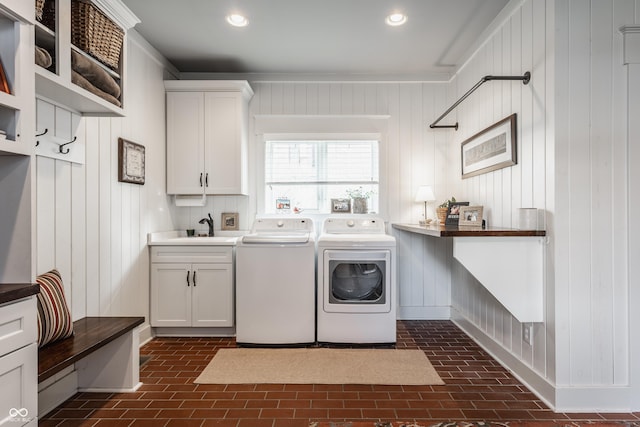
(310, 173)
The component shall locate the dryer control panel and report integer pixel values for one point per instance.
(368, 225)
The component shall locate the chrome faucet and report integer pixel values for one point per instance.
(209, 222)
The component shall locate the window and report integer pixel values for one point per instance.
(305, 175)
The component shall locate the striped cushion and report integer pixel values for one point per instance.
(54, 318)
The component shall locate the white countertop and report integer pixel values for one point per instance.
(179, 238)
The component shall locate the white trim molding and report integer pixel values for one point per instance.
(631, 49)
(119, 13)
(577, 399)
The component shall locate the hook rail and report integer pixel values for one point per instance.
(526, 78)
(40, 134)
(66, 143)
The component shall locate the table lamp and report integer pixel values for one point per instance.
(425, 194)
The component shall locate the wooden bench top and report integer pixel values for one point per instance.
(90, 333)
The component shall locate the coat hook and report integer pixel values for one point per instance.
(40, 134)
(67, 143)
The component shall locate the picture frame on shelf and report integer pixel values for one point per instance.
(453, 213)
(490, 149)
(470, 216)
(4, 83)
(131, 162)
(283, 204)
(229, 221)
(340, 205)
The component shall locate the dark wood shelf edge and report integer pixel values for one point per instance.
(14, 291)
(444, 231)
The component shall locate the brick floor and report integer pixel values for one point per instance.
(476, 388)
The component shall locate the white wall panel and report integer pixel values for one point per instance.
(409, 156)
(90, 226)
(571, 140)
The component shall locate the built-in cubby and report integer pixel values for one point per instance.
(17, 123)
(14, 87)
(59, 82)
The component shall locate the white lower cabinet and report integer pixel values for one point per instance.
(192, 294)
(18, 363)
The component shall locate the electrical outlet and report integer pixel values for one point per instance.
(527, 332)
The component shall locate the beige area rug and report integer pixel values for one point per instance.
(319, 366)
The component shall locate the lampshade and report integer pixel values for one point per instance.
(425, 194)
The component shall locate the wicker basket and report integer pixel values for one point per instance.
(95, 34)
(39, 9)
(48, 18)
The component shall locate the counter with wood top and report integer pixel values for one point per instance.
(508, 262)
(437, 230)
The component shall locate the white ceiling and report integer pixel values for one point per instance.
(316, 37)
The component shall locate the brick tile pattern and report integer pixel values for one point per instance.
(477, 388)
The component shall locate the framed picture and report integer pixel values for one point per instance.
(453, 213)
(130, 162)
(491, 149)
(229, 221)
(340, 205)
(283, 204)
(470, 216)
(4, 83)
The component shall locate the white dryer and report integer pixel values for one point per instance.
(356, 300)
(275, 283)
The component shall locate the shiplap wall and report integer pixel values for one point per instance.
(410, 156)
(519, 45)
(90, 226)
(572, 121)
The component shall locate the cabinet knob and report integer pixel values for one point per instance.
(194, 279)
(188, 278)
(200, 179)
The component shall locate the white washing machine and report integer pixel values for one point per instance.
(275, 283)
(356, 282)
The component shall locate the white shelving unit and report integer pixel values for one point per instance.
(55, 84)
(17, 120)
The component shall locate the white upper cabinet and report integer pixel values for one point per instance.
(207, 124)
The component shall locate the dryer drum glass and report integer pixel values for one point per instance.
(357, 282)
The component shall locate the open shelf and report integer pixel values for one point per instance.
(57, 83)
(55, 88)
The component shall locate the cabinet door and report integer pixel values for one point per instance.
(170, 294)
(225, 143)
(212, 295)
(19, 386)
(185, 143)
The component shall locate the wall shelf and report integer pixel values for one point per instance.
(509, 263)
(54, 88)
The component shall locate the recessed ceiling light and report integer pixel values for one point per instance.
(396, 19)
(237, 20)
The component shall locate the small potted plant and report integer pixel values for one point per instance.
(442, 210)
(360, 199)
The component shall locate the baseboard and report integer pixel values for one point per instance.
(55, 393)
(524, 373)
(610, 399)
(573, 399)
(145, 334)
(111, 390)
(423, 313)
(194, 332)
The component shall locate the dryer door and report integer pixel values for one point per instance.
(356, 281)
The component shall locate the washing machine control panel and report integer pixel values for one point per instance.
(262, 225)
